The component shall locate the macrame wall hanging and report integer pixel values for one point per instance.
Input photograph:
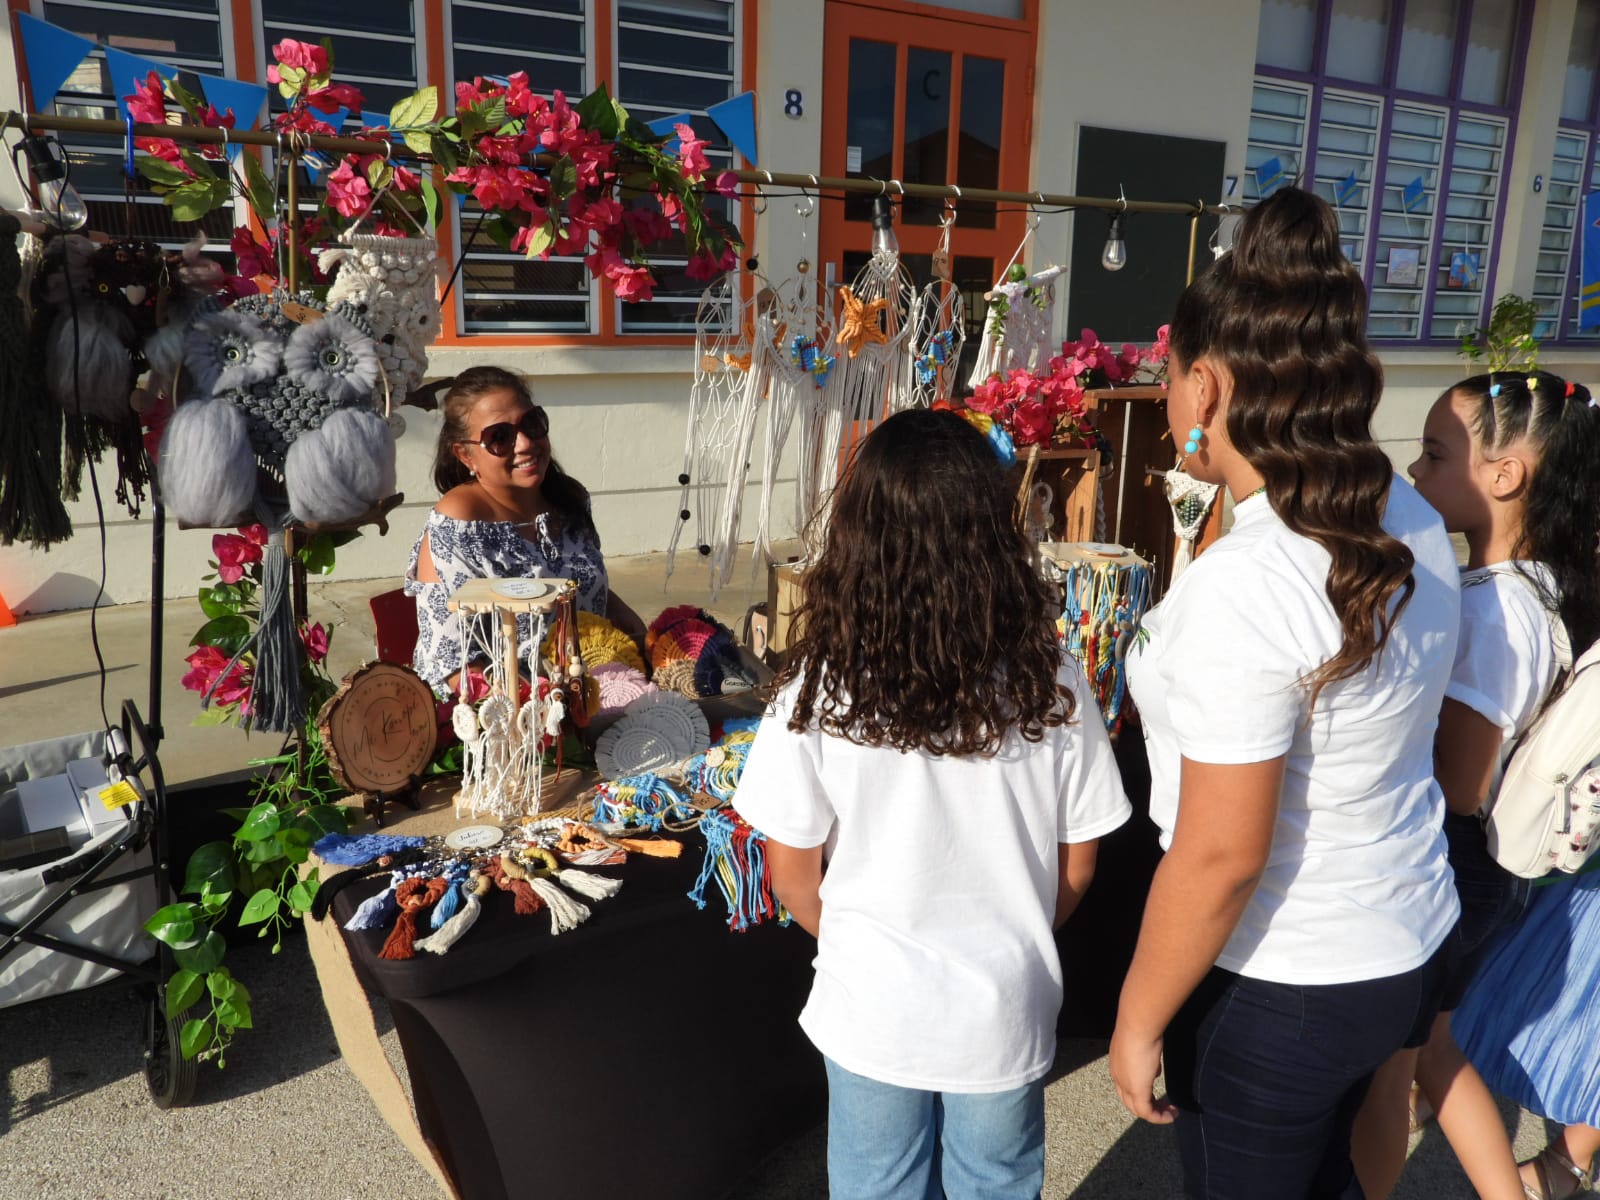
(1017, 329)
(30, 427)
(96, 304)
(504, 735)
(391, 282)
(734, 356)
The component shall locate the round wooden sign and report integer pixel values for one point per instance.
(379, 729)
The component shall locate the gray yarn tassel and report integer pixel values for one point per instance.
(276, 703)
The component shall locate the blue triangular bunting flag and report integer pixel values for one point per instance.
(51, 54)
(128, 71)
(1589, 278)
(737, 119)
(665, 124)
(1414, 195)
(245, 99)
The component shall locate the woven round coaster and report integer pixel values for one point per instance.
(655, 731)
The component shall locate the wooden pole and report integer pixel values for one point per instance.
(293, 219)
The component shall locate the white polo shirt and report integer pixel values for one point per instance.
(1356, 884)
(936, 962)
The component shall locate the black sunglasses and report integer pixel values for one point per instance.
(500, 439)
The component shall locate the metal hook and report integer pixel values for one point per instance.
(900, 188)
(1122, 199)
(1034, 217)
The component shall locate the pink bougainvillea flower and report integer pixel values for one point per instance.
(206, 664)
(634, 284)
(406, 180)
(234, 554)
(348, 192)
(334, 96)
(727, 184)
(301, 119)
(148, 103)
(645, 224)
(315, 637)
(706, 265)
(307, 56)
(256, 535)
(1032, 424)
(691, 153)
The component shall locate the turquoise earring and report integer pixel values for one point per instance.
(1196, 436)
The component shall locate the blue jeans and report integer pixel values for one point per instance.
(895, 1143)
(1269, 1077)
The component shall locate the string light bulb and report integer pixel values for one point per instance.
(61, 206)
(1115, 256)
(883, 239)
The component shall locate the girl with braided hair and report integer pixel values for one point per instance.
(1512, 462)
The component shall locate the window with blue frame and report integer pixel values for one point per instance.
(1398, 113)
(1574, 172)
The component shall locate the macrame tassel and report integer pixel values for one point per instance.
(735, 858)
(30, 429)
(509, 877)
(652, 847)
(374, 912)
(276, 703)
(587, 883)
(88, 366)
(453, 930)
(449, 904)
(412, 897)
(565, 912)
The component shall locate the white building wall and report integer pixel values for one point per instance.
(618, 414)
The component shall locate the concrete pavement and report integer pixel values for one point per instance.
(285, 1114)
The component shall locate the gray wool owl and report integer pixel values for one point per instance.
(276, 383)
(391, 282)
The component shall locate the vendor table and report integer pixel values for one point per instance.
(649, 1052)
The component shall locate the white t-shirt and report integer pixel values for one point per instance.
(936, 964)
(1510, 650)
(1356, 885)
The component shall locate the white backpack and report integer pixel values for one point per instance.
(1546, 816)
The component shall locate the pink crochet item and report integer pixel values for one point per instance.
(620, 686)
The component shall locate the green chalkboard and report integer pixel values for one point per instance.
(1130, 304)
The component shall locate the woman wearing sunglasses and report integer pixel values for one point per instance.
(506, 510)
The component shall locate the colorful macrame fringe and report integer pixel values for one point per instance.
(736, 858)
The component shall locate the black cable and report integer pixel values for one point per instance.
(461, 258)
(94, 479)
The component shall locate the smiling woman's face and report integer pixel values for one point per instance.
(529, 459)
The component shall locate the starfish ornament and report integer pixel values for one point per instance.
(861, 326)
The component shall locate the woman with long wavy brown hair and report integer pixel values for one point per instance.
(931, 743)
(1289, 686)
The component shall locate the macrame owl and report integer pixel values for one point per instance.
(96, 304)
(390, 281)
(276, 382)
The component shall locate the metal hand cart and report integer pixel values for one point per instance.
(75, 919)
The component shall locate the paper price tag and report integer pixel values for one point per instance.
(119, 794)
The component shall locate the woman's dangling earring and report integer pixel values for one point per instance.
(1196, 437)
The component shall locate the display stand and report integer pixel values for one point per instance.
(1134, 421)
(1070, 472)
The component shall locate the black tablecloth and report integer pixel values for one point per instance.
(650, 1052)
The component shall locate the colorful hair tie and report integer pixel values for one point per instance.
(1494, 391)
(1570, 389)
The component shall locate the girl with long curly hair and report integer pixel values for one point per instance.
(1289, 686)
(930, 743)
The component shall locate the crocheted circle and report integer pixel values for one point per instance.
(656, 730)
(677, 676)
(620, 685)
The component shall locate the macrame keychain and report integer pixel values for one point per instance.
(1191, 501)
